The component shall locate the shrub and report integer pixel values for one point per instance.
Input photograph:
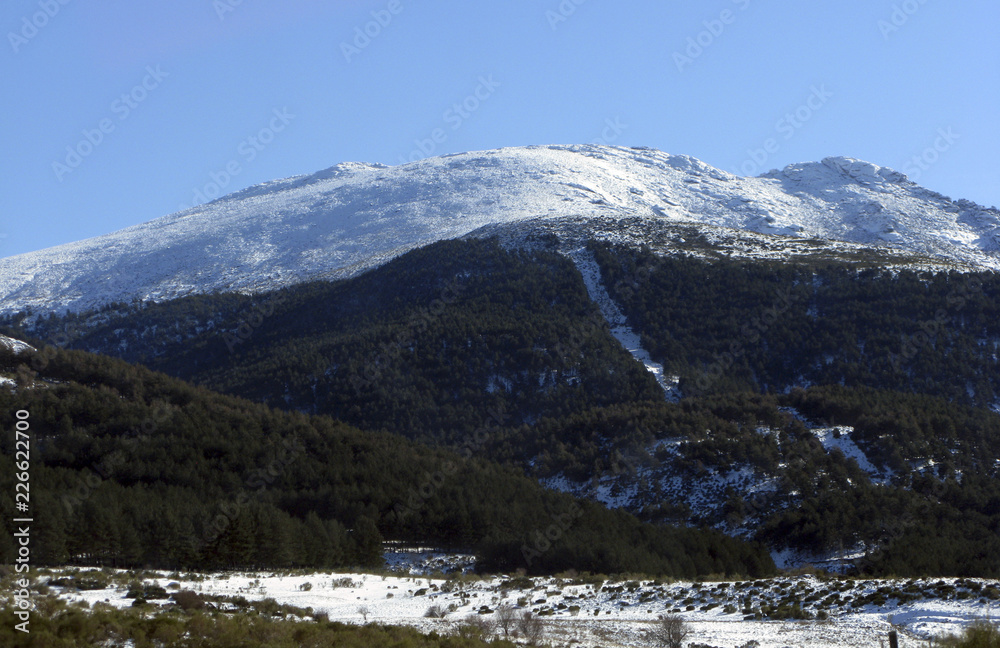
(506, 617)
(981, 634)
(147, 591)
(517, 583)
(476, 626)
(670, 631)
(188, 600)
(531, 627)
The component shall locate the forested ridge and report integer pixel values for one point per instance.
(431, 343)
(735, 325)
(131, 467)
(752, 465)
(500, 353)
(429, 346)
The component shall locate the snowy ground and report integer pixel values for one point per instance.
(611, 613)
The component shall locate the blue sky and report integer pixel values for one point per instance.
(119, 112)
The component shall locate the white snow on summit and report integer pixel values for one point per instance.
(354, 216)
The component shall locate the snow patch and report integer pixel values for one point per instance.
(17, 346)
(840, 437)
(620, 328)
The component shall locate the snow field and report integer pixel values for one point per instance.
(615, 613)
(353, 216)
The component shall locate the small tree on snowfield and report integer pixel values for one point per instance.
(670, 631)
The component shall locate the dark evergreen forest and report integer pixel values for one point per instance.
(498, 355)
(134, 468)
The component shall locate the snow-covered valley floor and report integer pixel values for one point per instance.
(587, 612)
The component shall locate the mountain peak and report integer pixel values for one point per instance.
(354, 216)
(864, 172)
(838, 170)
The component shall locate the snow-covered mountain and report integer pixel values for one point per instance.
(354, 216)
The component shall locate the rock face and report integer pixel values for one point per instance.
(354, 216)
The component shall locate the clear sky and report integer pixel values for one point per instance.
(120, 111)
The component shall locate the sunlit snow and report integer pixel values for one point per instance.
(353, 216)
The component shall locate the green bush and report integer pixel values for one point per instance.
(188, 600)
(56, 624)
(981, 634)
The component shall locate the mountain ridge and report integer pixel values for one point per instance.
(354, 216)
(520, 362)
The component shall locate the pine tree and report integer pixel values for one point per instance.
(367, 543)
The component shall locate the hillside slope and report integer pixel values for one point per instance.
(887, 459)
(129, 467)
